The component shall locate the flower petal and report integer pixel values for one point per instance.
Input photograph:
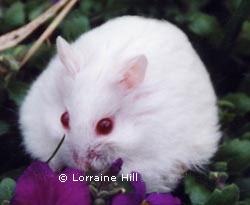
(132, 198)
(31, 186)
(72, 192)
(139, 185)
(162, 199)
(40, 185)
(55, 1)
(127, 199)
(116, 166)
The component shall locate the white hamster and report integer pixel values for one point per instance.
(132, 88)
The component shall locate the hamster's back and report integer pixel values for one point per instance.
(183, 92)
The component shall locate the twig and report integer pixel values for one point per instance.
(49, 30)
(3, 70)
(14, 37)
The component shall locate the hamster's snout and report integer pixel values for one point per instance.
(96, 157)
(84, 163)
(91, 154)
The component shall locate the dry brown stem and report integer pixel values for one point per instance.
(49, 30)
(15, 37)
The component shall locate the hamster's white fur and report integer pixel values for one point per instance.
(145, 75)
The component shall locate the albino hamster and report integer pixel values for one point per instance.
(132, 88)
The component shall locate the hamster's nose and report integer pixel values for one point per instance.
(91, 154)
(82, 164)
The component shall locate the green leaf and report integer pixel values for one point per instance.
(226, 116)
(125, 184)
(4, 127)
(15, 15)
(226, 104)
(218, 177)
(245, 33)
(19, 52)
(220, 166)
(5, 202)
(41, 57)
(9, 62)
(7, 186)
(237, 153)
(198, 193)
(39, 9)
(226, 111)
(227, 196)
(86, 6)
(244, 40)
(245, 202)
(203, 24)
(17, 91)
(197, 5)
(246, 136)
(232, 29)
(244, 185)
(241, 102)
(232, 5)
(1, 13)
(89, 6)
(74, 26)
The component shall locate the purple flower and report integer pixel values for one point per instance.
(139, 197)
(115, 167)
(54, 1)
(40, 185)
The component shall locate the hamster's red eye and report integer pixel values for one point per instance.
(104, 126)
(65, 120)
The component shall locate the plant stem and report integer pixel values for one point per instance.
(15, 37)
(49, 30)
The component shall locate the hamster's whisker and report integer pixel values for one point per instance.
(56, 150)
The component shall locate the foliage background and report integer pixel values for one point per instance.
(219, 31)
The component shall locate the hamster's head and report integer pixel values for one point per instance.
(102, 119)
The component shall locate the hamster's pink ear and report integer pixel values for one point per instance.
(67, 56)
(135, 70)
